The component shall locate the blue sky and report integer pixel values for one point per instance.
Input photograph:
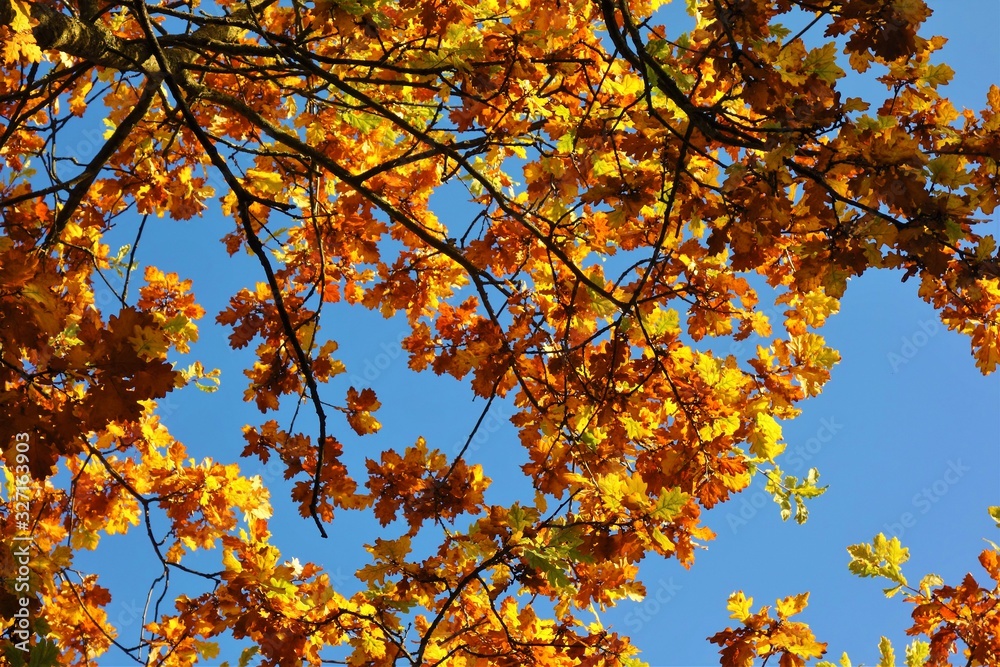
(906, 428)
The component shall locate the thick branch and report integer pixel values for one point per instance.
(92, 42)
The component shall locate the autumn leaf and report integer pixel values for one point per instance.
(739, 606)
(620, 234)
(360, 405)
(765, 436)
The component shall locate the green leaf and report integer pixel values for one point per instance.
(779, 31)
(938, 75)
(793, 491)
(887, 657)
(660, 322)
(995, 514)
(662, 540)
(518, 518)
(669, 504)
(823, 63)
(855, 104)
(984, 250)
(44, 654)
(42, 627)
(835, 282)
(779, 492)
(881, 558)
(553, 571)
(14, 656)
(602, 165)
(930, 581)
(206, 649)
(247, 655)
(953, 230)
(658, 48)
(566, 143)
(361, 121)
(891, 591)
(917, 653)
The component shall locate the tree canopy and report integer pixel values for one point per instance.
(643, 197)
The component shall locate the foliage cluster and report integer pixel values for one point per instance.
(635, 190)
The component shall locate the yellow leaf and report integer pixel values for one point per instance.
(40, 295)
(267, 182)
(230, 562)
(791, 605)
(739, 605)
(764, 437)
(887, 655)
(149, 343)
(20, 22)
(823, 63)
(207, 649)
